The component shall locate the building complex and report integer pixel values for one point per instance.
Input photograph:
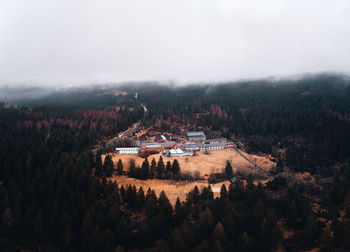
(196, 142)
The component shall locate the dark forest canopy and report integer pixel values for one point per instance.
(304, 123)
(50, 198)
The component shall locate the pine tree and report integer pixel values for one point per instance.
(168, 170)
(153, 171)
(98, 165)
(108, 166)
(150, 207)
(132, 170)
(223, 191)
(165, 206)
(140, 198)
(160, 168)
(193, 196)
(219, 234)
(176, 169)
(235, 191)
(206, 222)
(228, 169)
(120, 167)
(180, 211)
(144, 172)
(207, 193)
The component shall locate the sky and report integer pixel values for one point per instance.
(67, 42)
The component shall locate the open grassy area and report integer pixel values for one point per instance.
(203, 163)
(215, 161)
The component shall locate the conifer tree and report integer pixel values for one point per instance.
(153, 169)
(176, 169)
(168, 170)
(165, 206)
(144, 172)
(223, 191)
(228, 169)
(120, 167)
(98, 165)
(160, 168)
(219, 234)
(140, 198)
(108, 166)
(206, 222)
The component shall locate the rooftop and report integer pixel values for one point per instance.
(216, 140)
(157, 144)
(195, 133)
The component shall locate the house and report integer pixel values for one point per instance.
(127, 150)
(207, 147)
(192, 147)
(196, 136)
(215, 141)
(162, 139)
(162, 145)
(178, 152)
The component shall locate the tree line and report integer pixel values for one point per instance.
(156, 170)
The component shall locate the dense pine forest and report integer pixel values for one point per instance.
(52, 199)
(304, 123)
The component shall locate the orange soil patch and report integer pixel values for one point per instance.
(304, 176)
(214, 162)
(172, 189)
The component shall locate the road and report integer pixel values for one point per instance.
(130, 130)
(250, 161)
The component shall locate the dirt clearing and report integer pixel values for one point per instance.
(205, 164)
(214, 162)
(172, 189)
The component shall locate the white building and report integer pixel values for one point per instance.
(127, 150)
(178, 152)
(196, 136)
(207, 147)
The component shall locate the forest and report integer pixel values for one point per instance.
(304, 124)
(54, 195)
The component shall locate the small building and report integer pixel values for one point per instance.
(192, 147)
(147, 145)
(162, 145)
(127, 150)
(196, 136)
(178, 152)
(208, 147)
(215, 141)
(162, 139)
(233, 180)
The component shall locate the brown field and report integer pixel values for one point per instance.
(172, 189)
(203, 163)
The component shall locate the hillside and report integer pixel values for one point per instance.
(57, 195)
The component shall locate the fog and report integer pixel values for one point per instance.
(71, 42)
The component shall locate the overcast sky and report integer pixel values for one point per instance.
(76, 42)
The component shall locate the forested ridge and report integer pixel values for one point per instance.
(51, 200)
(304, 123)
